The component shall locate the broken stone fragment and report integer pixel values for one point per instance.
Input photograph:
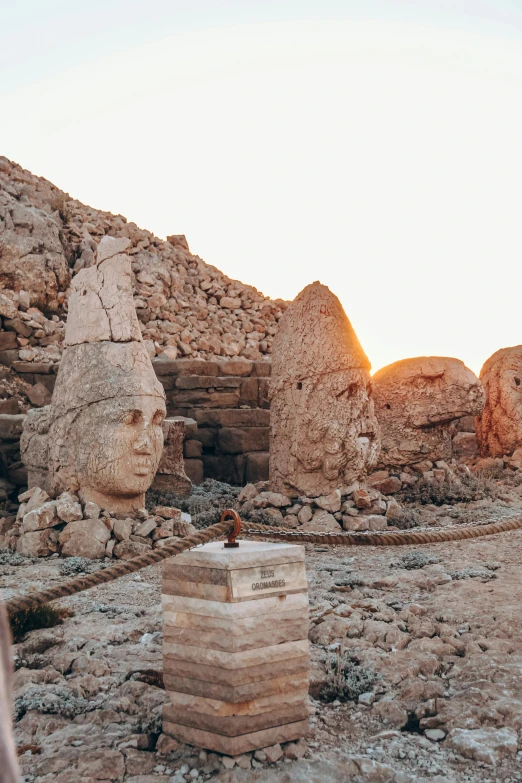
(68, 507)
(85, 538)
(40, 518)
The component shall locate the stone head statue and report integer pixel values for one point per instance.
(499, 426)
(415, 402)
(324, 433)
(104, 426)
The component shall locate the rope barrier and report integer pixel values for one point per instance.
(122, 568)
(230, 526)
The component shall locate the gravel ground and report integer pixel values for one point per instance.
(431, 637)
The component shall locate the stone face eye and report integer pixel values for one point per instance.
(133, 417)
(158, 418)
(517, 381)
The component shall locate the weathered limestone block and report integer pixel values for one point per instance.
(171, 473)
(499, 426)
(415, 402)
(34, 448)
(324, 432)
(244, 685)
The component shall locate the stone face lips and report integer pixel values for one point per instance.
(499, 426)
(415, 402)
(236, 661)
(323, 428)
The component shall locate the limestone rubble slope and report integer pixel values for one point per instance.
(185, 306)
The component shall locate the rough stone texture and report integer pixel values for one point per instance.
(171, 473)
(84, 538)
(323, 428)
(415, 402)
(499, 426)
(105, 421)
(185, 307)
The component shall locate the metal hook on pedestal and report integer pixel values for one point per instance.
(229, 513)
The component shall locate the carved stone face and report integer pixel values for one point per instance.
(119, 457)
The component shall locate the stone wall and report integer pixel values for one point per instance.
(228, 401)
(224, 404)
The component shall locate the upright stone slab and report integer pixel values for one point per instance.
(235, 646)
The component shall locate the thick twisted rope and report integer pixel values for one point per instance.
(385, 537)
(229, 527)
(122, 568)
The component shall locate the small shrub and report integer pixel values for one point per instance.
(346, 679)
(418, 559)
(205, 505)
(441, 493)
(45, 616)
(79, 565)
(408, 518)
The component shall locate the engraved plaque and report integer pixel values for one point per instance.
(251, 583)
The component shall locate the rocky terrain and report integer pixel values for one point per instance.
(185, 306)
(430, 641)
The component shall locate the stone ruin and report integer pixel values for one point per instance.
(499, 425)
(416, 401)
(102, 434)
(324, 433)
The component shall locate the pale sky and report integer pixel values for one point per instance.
(375, 145)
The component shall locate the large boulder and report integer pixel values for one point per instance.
(416, 400)
(499, 425)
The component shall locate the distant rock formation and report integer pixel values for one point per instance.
(415, 402)
(324, 433)
(499, 426)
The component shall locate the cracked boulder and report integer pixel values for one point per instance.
(416, 400)
(324, 433)
(499, 426)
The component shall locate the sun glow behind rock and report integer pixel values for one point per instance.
(382, 157)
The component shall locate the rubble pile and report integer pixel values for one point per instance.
(43, 527)
(185, 306)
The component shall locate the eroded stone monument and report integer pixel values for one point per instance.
(323, 429)
(235, 646)
(415, 402)
(102, 434)
(499, 426)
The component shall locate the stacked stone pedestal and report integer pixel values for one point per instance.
(235, 646)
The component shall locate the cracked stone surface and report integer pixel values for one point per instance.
(102, 434)
(323, 428)
(499, 426)
(415, 402)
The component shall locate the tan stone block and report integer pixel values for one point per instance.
(233, 746)
(198, 705)
(234, 585)
(239, 627)
(235, 611)
(297, 680)
(228, 641)
(234, 725)
(239, 660)
(236, 678)
(248, 554)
